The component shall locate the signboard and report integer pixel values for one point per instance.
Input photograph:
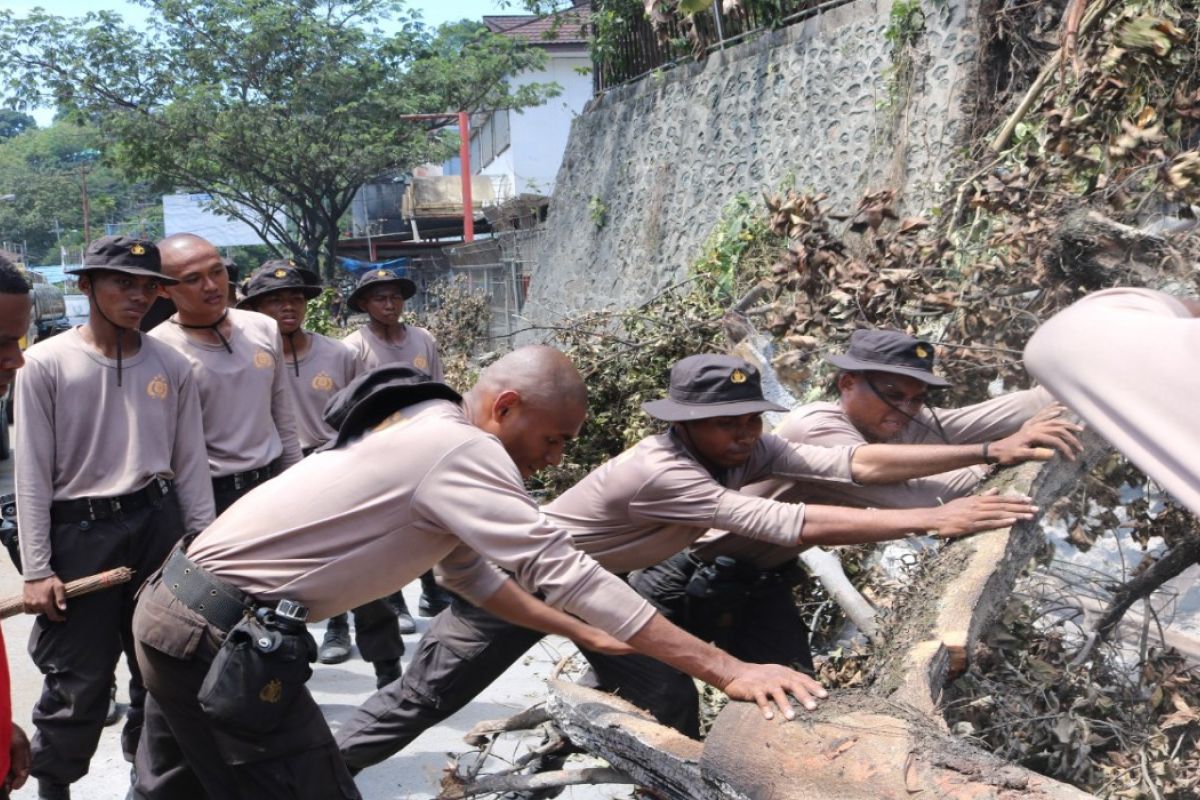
(187, 213)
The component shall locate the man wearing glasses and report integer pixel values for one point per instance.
(882, 385)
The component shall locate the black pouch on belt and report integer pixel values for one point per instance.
(257, 674)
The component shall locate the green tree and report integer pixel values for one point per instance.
(42, 174)
(14, 122)
(279, 110)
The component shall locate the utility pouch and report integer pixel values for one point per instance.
(257, 674)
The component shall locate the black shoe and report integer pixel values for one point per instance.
(53, 791)
(114, 710)
(335, 647)
(407, 625)
(434, 603)
(386, 672)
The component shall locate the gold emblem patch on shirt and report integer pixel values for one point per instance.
(272, 692)
(322, 382)
(157, 387)
(263, 360)
(421, 363)
(738, 376)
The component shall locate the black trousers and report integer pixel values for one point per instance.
(757, 622)
(79, 656)
(462, 653)
(376, 631)
(185, 756)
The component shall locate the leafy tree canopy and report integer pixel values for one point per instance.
(41, 176)
(279, 110)
(14, 122)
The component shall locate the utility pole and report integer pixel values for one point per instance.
(87, 211)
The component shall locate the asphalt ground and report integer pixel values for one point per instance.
(413, 773)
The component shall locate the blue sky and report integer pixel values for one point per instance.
(433, 12)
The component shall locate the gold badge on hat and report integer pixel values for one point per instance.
(272, 692)
(281, 273)
(738, 376)
(922, 352)
(137, 250)
(383, 273)
(420, 363)
(157, 388)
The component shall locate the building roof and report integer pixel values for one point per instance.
(566, 27)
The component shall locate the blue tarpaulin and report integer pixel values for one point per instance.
(354, 265)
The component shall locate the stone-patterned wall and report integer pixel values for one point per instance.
(807, 106)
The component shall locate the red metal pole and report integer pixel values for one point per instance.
(464, 156)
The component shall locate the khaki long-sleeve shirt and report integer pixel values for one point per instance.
(826, 424)
(656, 499)
(1128, 362)
(81, 435)
(327, 367)
(350, 525)
(416, 348)
(248, 416)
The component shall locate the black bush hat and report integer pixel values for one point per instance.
(375, 395)
(123, 254)
(277, 275)
(877, 350)
(711, 385)
(377, 276)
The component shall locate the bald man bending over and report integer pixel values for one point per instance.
(238, 365)
(439, 481)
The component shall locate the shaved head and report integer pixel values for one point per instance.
(180, 248)
(542, 376)
(202, 293)
(534, 401)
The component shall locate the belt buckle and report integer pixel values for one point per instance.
(239, 481)
(163, 487)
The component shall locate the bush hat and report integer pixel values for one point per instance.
(375, 277)
(711, 385)
(277, 275)
(876, 350)
(373, 396)
(125, 254)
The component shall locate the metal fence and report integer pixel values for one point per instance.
(627, 47)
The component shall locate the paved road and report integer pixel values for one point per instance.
(413, 773)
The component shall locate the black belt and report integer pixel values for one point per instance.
(90, 509)
(746, 572)
(218, 601)
(240, 481)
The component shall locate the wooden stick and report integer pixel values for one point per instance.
(92, 583)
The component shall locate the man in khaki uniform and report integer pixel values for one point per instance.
(750, 606)
(237, 360)
(317, 368)
(1126, 361)
(381, 294)
(111, 471)
(456, 498)
(651, 502)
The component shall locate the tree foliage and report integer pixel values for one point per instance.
(14, 122)
(43, 170)
(280, 111)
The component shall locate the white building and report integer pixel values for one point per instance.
(523, 149)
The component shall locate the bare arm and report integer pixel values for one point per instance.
(763, 684)
(1037, 440)
(838, 525)
(513, 604)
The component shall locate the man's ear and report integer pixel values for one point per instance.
(505, 402)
